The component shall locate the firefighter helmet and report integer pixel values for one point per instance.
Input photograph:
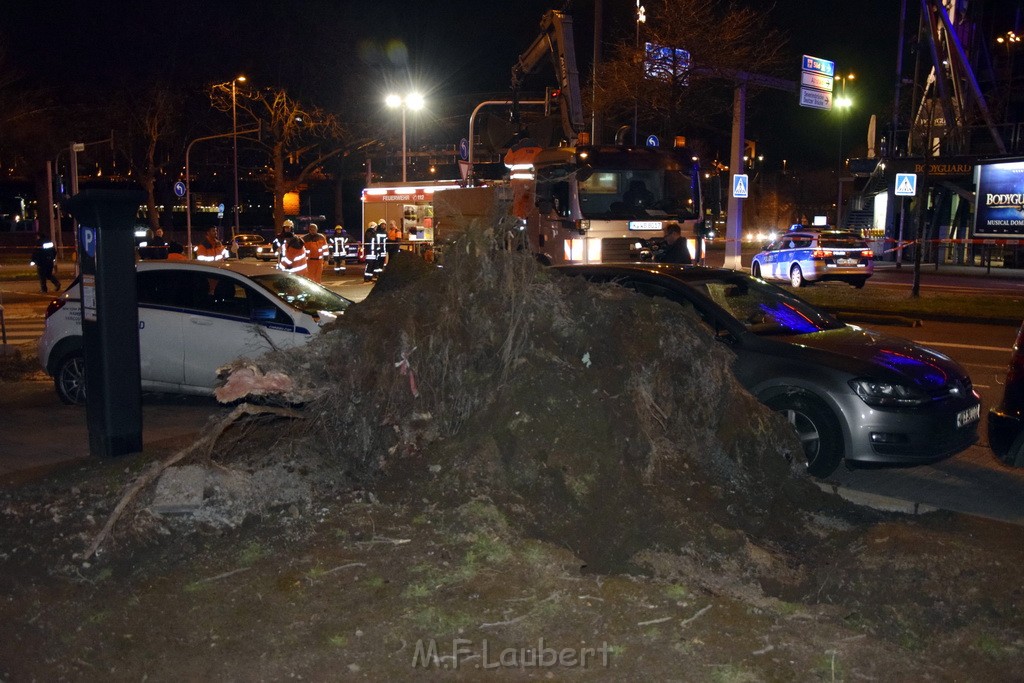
(288, 223)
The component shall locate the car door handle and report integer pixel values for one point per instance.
(201, 321)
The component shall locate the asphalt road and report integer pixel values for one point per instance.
(38, 432)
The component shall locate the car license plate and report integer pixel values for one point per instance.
(645, 225)
(847, 261)
(969, 415)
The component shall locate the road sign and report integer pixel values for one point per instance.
(740, 185)
(815, 80)
(464, 149)
(906, 184)
(87, 236)
(818, 65)
(179, 188)
(816, 99)
(653, 141)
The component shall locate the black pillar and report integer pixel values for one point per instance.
(110, 318)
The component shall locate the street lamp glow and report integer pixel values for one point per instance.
(414, 101)
(844, 102)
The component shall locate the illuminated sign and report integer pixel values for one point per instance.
(999, 200)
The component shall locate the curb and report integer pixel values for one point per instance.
(877, 501)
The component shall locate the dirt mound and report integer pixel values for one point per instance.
(601, 419)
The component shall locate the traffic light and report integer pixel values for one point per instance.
(551, 96)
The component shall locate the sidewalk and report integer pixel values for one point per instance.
(39, 434)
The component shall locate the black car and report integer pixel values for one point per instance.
(1006, 421)
(850, 393)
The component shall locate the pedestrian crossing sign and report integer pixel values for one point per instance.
(906, 184)
(740, 186)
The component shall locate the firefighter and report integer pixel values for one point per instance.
(369, 250)
(394, 237)
(281, 239)
(211, 249)
(339, 248)
(294, 258)
(316, 253)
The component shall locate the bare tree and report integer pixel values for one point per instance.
(298, 138)
(148, 129)
(669, 93)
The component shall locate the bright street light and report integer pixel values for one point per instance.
(414, 101)
(842, 103)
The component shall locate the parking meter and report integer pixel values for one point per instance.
(110, 318)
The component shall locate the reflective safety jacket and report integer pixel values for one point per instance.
(316, 246)
(211, 252)
(293, 260)
(339, 244)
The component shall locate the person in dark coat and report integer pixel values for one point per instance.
(675, 249)
(44, 258)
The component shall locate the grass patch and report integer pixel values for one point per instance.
(840, 296)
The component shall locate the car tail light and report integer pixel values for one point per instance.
(821, 254)
(867, 253)
(1016, 373)
(55, 305)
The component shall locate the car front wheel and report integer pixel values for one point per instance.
(796, 277)
(69, 380)
(755, 269)
(817, 428)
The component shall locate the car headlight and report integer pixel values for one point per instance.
(882, 394)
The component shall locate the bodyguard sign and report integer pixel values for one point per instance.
(1000, 200)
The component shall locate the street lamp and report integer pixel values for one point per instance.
(234, 136)
(842, 103)
(414, 101)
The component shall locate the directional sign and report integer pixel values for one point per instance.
(653, 141)
(464, 149)
(740, 185)
(815, 80)
(818, 65)
(816, 99)
(906, 184)
(179, 188)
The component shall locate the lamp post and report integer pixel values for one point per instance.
(641, 18)
(234, 136)
(412, 101)
(843, 103)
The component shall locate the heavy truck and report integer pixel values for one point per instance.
(578, 202)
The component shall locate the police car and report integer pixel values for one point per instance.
(801, 256)
(193, 319)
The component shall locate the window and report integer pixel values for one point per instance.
(163, 288)
(217, 294)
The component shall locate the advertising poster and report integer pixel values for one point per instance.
(999, 211)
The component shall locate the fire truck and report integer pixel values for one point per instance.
(583, 203)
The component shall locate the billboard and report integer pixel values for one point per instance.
(666, 63)
(999, 209)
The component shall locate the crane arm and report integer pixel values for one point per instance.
(555, 39)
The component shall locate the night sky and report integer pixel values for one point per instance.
(344, 55)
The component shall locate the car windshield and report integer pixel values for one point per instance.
(765, 309)
(303, 294)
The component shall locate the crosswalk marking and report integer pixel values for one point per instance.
(22, 330)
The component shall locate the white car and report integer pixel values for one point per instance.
(193, 319)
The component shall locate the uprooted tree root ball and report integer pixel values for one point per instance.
(601, 419)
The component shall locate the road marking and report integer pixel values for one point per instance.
(1001, 349)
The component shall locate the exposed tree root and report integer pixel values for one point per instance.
(205, 444)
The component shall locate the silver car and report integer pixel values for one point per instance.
(849, 393)
(804, 256)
